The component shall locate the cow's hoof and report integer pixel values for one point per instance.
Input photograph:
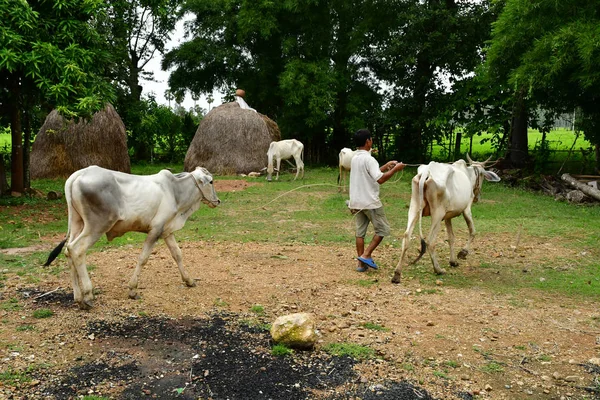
(463, 254)
(453, 264)
(440, 271)
(133, 295)
(396, 279)
(86, 305)
(190, 283)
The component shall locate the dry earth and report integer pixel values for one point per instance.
(204, 342)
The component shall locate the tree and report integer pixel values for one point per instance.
(547, 52)
(422, 55)
(136, 31)
(299, 61)
(50, 56)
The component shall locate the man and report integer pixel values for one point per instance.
(365, 178)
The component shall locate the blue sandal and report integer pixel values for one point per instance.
(368, 261)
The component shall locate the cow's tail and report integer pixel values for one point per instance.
(54, 253)
(422, 180)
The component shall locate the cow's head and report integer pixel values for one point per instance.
(480, 174)
(204, 181)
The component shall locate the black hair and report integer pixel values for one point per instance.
(361, 136)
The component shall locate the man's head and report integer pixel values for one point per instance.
(361, 136)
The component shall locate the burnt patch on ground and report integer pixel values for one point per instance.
(216, 357)
(57, 297)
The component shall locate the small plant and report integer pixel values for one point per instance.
(350, 350)
(281, 350)
(257, 309)
(451, 364)
(441, 374)
(492, 367)
(375, 327)
(219, 302)
(544, 357)
(42, 313)
(95, 398)
(24, 328)
(408, 367)
(520, 347)
(253, 323)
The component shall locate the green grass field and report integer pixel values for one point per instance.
(313, 212)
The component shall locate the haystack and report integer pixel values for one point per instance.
(63, 147)
(230, 140)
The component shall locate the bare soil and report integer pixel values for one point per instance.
(205, 342)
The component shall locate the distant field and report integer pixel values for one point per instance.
(4, 142)
(559, 142)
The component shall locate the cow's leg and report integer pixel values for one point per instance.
(469, 219)
(450, 232)
(143, 258)
(176, 253)
(76, 251)
(413, 216)
(76, 226)
(278, 166)
(436, 222)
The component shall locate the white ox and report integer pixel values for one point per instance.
(284, 150)
(345, 163)
(101, 201)
(443, 191)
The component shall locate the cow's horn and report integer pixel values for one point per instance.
(469, 159)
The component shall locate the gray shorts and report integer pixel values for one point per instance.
(376, 217)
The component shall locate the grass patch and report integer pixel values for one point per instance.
(442, 374)
(451, 364)
(11, 305)
(254, 323)
(492, 368)
(375, 327)
(43, 313)
(14, 378)
(257, 309)
(281, 350)
(24, 328)
(349, 350)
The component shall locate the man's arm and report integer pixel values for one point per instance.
(392, 167)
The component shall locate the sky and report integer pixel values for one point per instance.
(161, 85)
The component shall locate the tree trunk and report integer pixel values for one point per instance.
(457, 143)
(4, 189)
(518, 152)
(26, 149)
(16, 172)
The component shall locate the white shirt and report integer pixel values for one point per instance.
(364, 189)
(243, 104)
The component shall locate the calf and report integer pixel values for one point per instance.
(101, 201)
(284, 150)
(443, 191)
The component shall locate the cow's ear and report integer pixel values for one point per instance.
(491, 176)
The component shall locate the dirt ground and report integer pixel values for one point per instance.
(205, 342)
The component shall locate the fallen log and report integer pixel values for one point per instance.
(587, 189)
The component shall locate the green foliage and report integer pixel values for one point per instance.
(23, 328)
(349, 350)
(43, 313)
(281, 350)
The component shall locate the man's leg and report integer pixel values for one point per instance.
(360, 248)
(372, 246)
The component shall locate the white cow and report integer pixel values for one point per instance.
(284, 150)
(443, 191)
(101, 201)
(345, 162)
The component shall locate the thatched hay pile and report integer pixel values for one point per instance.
(63, 147)
(230, 140)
